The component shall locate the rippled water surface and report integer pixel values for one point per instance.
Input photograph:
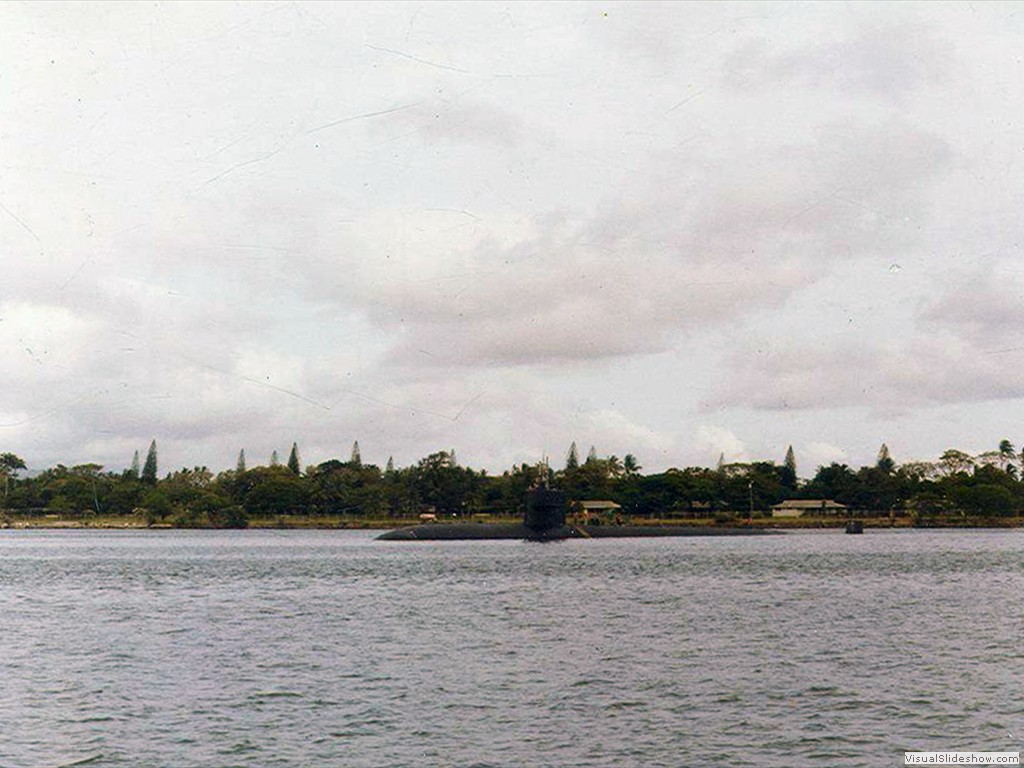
(268, 648)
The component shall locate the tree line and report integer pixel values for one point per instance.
(956, 486)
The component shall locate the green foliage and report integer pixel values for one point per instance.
(228, 517)
(953, 462)
(452, 490)
(787, 474)
(293, 460)
(156, 505)
(10, 464)
(214, 517)
(836, 481)
(884, 461)
(346, 489)
(275, 491)
(983, 500)
(188, 518)
(630, 465)
(122, 498)
(149, 469)
(572, 460)
(956, 488)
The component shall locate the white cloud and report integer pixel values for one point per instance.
(717, 441)
(814, 455)
(614, 433)
(890, 58)
(500, 229)
(922, 372)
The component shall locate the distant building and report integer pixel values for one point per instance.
(595, 510)
(800, 507)
(599, 507)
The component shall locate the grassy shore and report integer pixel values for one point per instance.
(310, 522)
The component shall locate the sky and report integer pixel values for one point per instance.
(671, 230)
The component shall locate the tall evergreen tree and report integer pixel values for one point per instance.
(572, 460)
(591, 455)
(721, 462)
(357, 459)
(293, 460)
(788, 474)
(149, 468)
(790, 461)
(274, 461)
(885, 462)
(134, 471)
(240, 466)
(390, 468)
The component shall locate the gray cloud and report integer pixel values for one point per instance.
(925, 372)
(457, 120)
(984, 307)
(237, 226)
(696, 248)
(888, 58)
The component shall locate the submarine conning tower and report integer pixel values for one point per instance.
(545, 510)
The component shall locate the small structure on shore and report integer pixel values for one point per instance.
(597, 509)
(801, 507)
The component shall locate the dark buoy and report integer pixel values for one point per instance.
(855, 526)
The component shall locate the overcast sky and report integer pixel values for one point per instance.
(671, 230)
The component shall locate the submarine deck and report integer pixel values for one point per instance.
(475, 531)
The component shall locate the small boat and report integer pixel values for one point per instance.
(855, 526)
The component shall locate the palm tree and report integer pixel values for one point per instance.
(614, 465)
(630, 465)
(1007, 454)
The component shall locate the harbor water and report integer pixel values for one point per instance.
(326, 648)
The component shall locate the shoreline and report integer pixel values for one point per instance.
(301, 522)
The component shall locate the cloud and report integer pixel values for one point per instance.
(983, 306)
(456, 120)
(715, 441)
(614, 433)
(43, 343)
(891, 58)
(816, 454)
(924, 372)
(498, 229)
(692, 247)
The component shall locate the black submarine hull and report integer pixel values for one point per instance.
(480, 531)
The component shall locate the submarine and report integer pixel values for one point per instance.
(544, 520)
